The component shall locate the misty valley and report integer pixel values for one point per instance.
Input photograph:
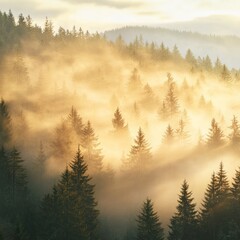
(102, 138)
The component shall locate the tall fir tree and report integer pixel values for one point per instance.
(169, 137)
(5, 124)
(118, 121)
(69, 212)
(235, 189)
(171, 101)
(215, 135)
(183, 225)
(75, 121)
(83, 191)
(140, 156)
(234, 136)
(91, 150)
(148, 223)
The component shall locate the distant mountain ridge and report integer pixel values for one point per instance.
(227, 48)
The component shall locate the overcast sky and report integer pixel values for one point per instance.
(99, 15)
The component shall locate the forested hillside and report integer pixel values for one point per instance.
(114, 140)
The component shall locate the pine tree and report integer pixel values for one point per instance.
(183, 224)
(234, 136)
(83, 191)
(134, 82)
(5, 124)
(171, 100)
(215, 136)
(163, 111)
(149, 226)
(118, 121)
(216, 214)
(181, 134)
(61, 142)
(41, 159)
(169, 137)
(75, 122)
(139, 156)
(235, 189)
(91, 151)
(222, 184)
(18, 182)
(225, 74)
(69, 212)
(190, 58)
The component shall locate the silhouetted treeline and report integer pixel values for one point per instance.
(16, 36)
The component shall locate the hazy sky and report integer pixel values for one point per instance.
(106, 14)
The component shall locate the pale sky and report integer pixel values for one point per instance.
(99, 15)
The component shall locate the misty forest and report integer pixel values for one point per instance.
(107, 139)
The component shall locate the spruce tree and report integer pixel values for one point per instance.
(118, 121)
(148, 224)
(215, 135)
(169, 137)
(208, 211)
(18, 177)
(235, 189)
(223, 189)
(216, 208)
(41, 159)
(5, 124)
(234, 136)
(139, 156)
(91, 150)
(181, 133)
(75, 122)
(183, 224)
(171, 101)
(83, 192)
(69, 212)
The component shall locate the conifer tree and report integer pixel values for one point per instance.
(190, 58)
(181, 134)
(169, 137)
(91, 150)
(183, 224)
(234, 136)
(83, 192)
(118, 121)
(215, 213)
(149, 226)
(134, 82)
(18, 176)
(41, 158)
(225, 74)
(75, 121)
(215, 135)
(171, 101)
(235, 189)
(61, 142)
(69, 212)
(139, 156)
(222, 184)
(5, 124)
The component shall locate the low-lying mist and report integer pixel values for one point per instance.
(47, 88)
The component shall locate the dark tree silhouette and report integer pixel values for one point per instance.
(139, 156)
(91, 150)
(149, 226)
(183, 225)
(169, 137)
(234, 136)
(215, 135)
(5, 124)
(118, 121)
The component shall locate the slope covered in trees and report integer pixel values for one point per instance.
(143, 118)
